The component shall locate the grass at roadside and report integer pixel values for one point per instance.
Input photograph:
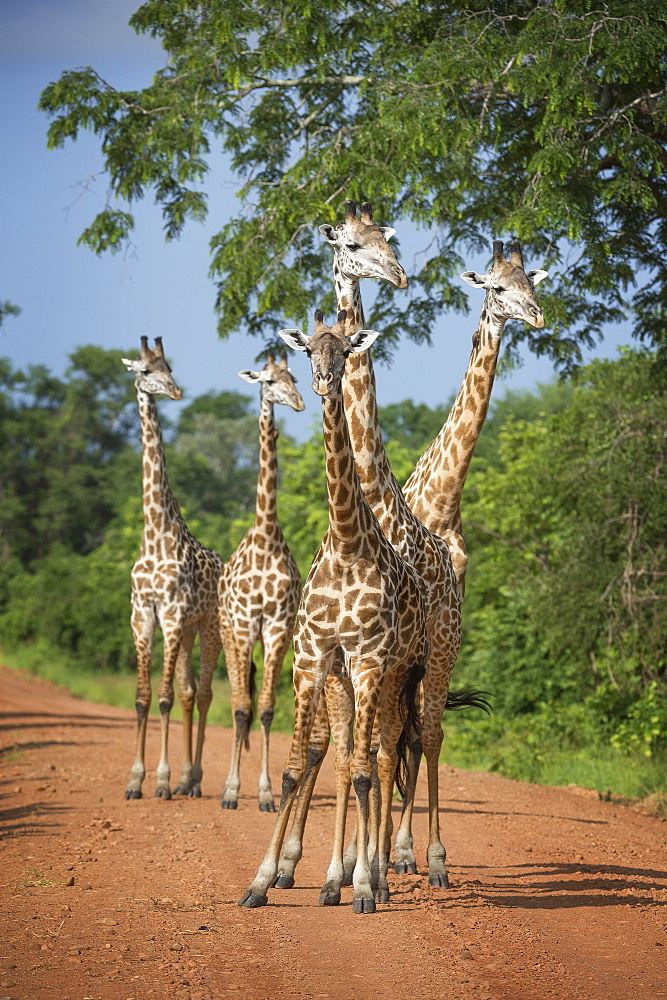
(508, 747)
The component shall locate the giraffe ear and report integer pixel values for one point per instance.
(295, 339)
(250, 376)
(537, 276)
(133, 366)
(362, 340)
(475, 279)
(387, 232)
(330, 234)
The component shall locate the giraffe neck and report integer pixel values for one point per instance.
(360, 399)
(434, 489)
(267, 480)
(161, 511)
(350, 518)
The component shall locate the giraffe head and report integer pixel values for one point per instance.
(510, 289)
(328, 349)
(277, 383)
(152, 371)
(361, 248)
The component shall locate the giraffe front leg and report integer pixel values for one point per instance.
(367, 682)
(143, 628)
(307, 689)
(186, 694)
(340, 702)
(275, 647)
(387, 760)
(172, 643)
(318, 745)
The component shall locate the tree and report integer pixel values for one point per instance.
(545, 119)
(568, 597)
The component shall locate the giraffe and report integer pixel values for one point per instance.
(361, 250)
(175, 585)
(362, 613)
(434, 489)
(259, 589)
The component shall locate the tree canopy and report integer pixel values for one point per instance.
(542, 119)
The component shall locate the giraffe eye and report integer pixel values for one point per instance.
(352, 246)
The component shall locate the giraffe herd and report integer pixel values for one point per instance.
(377, 626)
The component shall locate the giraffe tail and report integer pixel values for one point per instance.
(253, 696)
(412, 723)
(467, 697)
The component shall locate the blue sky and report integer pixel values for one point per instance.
(69, 297)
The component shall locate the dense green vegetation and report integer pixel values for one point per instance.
(565, 513)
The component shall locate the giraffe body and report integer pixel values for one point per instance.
(362, 615)
(175, 586)
(259, 591)
(361, 250)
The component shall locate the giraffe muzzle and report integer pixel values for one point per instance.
(322, 384)
(399, 277)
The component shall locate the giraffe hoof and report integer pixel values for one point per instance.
(267, 807)
(162, 793)
(329, 896)
(405, 868)
(227, 804)
(133, 793)
(252, 900)
(441, 881)
(382, 895)
(284, 882)
(363, 905)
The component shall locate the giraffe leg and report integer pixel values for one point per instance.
(405, 862)
(186, 695)
(210, 646)
(172, 643)
(238, 654)
(143, 628)
(387, 760)
(340, 703)
(436, 686)
(275, 645)
(308, 683)
(318, 744)
(366, 680)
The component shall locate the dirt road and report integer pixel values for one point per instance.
(554, 893)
